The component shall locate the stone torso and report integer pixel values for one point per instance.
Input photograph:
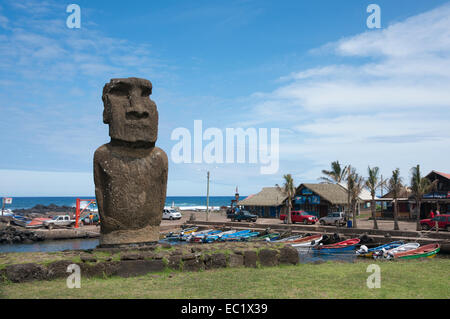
(134, 187)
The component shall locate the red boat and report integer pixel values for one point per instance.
(36, 222)
(304, 239)
(429, 251)
(345, 245)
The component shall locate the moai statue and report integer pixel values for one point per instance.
(130, 173)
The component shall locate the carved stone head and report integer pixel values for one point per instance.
(128, 110)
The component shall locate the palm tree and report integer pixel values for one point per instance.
(289, 190)
(419, 187)
(372, 183)
(336, 175)
(383, 186)
(395, 186)
(355, 184)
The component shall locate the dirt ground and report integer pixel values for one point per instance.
(221, 217)
(173, 225)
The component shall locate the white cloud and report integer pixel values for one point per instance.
(388, 104)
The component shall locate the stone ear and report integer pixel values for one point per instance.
(106, 109)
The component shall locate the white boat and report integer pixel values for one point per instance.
(200, 233)
(308, 243)
(391, 252)
(7, 212)
(288, 239)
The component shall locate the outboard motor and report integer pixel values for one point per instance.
(362, 250)
(379, 253)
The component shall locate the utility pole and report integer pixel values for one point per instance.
(207, 198)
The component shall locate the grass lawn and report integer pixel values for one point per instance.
(428, 278)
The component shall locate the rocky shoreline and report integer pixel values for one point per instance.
(44, 211)
(13, 235)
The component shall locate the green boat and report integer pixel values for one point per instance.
(426, 251)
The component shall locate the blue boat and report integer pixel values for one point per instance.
(249, 235)
(214, 237)
(341, 247)
(364, 252)
(234, 236)
(20, 220)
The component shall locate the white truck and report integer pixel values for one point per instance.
(59, 221)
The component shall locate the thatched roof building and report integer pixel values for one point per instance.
(269, 202)
(320, 199)
(333, 193)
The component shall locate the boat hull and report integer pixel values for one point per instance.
(427, 251)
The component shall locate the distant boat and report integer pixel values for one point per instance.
(342, 246)
(368, 253)
(428, 251)
(234, 236)
(7, 212)
(391, 252)
(20, 220)
(212, 238)
(249, 236)
(36, 222)
(289, 239)
(308, 241)
(267, 237)
(182, 235)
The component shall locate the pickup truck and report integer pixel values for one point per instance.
(300, 217)
(58, 221)
(242, 215)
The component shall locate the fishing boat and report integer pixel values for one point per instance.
(363, 251)
(391, 252)
(182, 235)
(343, 246)
(266, 237)
(234, 236)
(188, 231)
(291, 238)
(248, 236)
(198, 236)
(426, 251)
(214, 237)
(20, 220)
(308, 241)
(36, 222)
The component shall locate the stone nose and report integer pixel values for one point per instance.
(137, 108)
(136, 104)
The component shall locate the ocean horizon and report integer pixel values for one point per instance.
(178, 201)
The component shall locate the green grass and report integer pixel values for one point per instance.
(428, 278)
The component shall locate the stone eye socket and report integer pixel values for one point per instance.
(119, 91)
(146, 91)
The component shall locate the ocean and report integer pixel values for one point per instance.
(184, 202)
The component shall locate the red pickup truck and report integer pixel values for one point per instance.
(443, 222)
(299, 216)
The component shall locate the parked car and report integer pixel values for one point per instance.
(299, 216)
(243, 215)
(443, 222)
(171, 214)
(335, 218)
(59, 221)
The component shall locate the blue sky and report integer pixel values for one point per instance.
(335, 89)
